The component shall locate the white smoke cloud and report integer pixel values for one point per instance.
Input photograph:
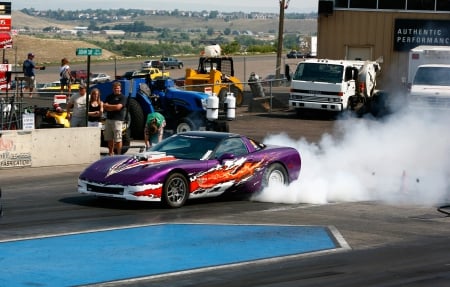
(402, 159)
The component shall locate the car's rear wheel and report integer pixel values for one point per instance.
(275, 174)
(175, 191)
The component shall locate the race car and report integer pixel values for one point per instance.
(191, 165)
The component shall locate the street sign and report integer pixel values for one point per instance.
(89, 52)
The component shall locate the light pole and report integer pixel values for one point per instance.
(283, 5)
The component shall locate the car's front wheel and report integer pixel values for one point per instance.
(275, 174)
(175, 191)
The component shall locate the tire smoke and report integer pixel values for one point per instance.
(401, 159)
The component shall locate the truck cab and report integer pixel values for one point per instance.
(324, 84)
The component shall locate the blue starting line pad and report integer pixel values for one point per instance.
(144, 251)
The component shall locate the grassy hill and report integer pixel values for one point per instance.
(52, 50)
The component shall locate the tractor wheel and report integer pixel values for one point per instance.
(238, 94)
(137, 119)
(186, 125)
(126, 141)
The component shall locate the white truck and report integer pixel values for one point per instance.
(333, 85)
(429, 78)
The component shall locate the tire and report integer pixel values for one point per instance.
(137, 120)
(186, 125)
(222, 95)
(221, 126)
(175, 191)
(38, 121)
(126, 141)
(275, 174)
(180, 66)
(238, 94)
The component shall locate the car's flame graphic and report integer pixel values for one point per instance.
(233, 171)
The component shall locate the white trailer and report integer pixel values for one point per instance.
(424, 55)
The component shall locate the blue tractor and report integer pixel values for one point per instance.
(183, 110)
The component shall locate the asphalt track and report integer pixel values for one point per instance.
(402, 245)
(146, 251)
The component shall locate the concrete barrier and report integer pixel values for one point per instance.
(49, 147)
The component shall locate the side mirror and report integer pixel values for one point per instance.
(226, 156)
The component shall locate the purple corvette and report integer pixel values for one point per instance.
(191, 165)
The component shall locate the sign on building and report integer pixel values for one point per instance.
(410, 33)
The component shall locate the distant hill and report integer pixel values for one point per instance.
(53, 50)
(303, 26)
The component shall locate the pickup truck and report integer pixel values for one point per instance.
(170, 62)
(154, 73)
(79, 75)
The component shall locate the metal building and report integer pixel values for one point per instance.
(369, 29)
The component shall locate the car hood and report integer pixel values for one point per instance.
(136, 169)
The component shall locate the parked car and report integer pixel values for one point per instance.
(171, 62)
(154, 73)
(192, 165)
(53, 88)
(152, 64)
(296, 54)
(100, 78)
(79, 75)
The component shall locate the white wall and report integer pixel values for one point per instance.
(49, 147)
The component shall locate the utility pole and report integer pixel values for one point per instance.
(283, 5)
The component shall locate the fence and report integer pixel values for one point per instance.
(12, 108)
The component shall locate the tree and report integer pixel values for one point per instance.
(213, 14)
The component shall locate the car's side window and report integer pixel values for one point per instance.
(233, 146)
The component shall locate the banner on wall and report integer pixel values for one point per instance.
(410, 33)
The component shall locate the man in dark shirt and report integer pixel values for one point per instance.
(28, 71)
(114, 106)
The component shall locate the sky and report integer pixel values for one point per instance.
(295, 6)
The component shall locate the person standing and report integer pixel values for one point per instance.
(28, 71)
(76, 108)
(154, 126)
(65, 76)
(95, 108)
(115, 107)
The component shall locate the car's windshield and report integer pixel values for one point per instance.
(327, 73)
(433, 76)
(187, 147)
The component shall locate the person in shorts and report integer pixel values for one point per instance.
(154, 127)
(28, 71)
(115, 108)
(76, 108)
(65, 77)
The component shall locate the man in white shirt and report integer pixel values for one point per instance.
(76, 108)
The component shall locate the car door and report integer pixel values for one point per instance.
(232, 167)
